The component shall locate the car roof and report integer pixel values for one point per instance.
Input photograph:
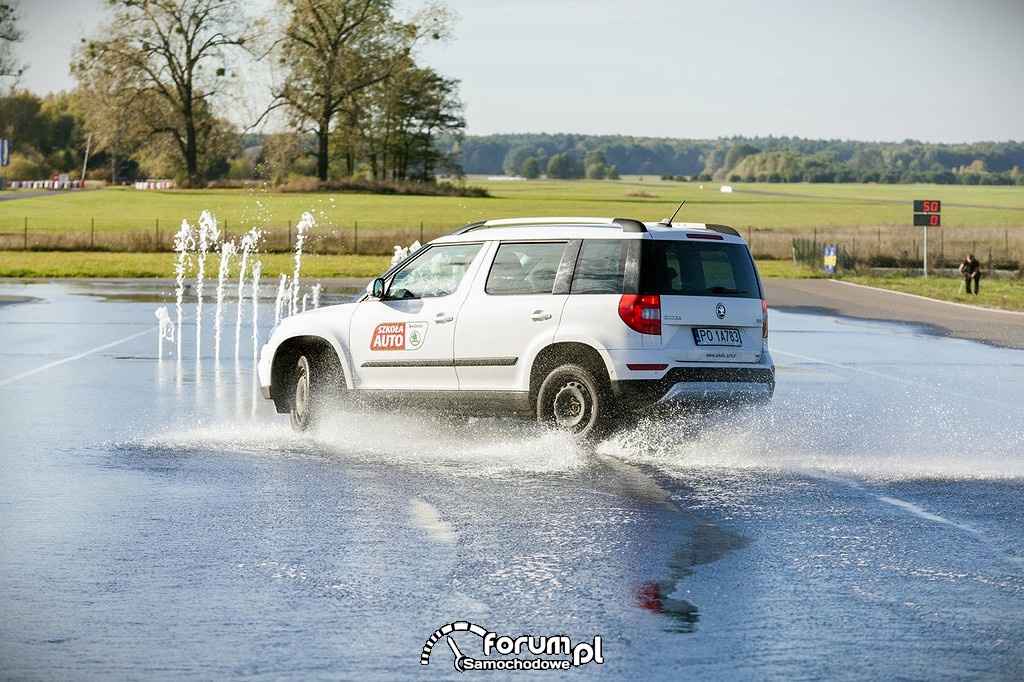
(557, 227)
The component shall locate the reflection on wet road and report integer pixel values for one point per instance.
(159, 521)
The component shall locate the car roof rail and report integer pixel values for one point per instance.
(625, 224)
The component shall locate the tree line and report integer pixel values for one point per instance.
(743, 159)
(159, 87)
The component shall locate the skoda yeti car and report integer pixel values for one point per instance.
(577, 322)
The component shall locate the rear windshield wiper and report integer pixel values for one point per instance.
(726, 291)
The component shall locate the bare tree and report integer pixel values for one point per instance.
(156, 66)
(9, 34)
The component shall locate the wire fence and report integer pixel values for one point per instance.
(357, 238)
(883, 246)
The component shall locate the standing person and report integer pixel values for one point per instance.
(971, 270)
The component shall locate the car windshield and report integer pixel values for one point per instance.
(697, 268)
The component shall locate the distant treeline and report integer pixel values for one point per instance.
(743, 159)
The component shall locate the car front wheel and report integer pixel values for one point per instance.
(572, 400)
(314, 384)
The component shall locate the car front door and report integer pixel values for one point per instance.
(405, 340)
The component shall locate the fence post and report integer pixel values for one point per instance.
(421, 232)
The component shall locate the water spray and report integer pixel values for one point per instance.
(184, 242)
(208, 234)
(227, 251)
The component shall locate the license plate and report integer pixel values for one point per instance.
(717, 336)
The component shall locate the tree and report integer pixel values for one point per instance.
(156, 66)
(530, 169)
(565, 167)
(9, 34)
(596, 165)
(335, 49)
(415, 107)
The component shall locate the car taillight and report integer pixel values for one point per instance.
(764, 319)
(641, 313)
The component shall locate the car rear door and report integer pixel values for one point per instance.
(511, 313)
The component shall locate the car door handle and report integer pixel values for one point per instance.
(441, 318)
(540, 316)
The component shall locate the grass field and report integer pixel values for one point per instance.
(123, 232)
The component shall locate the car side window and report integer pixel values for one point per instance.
(437, 271)
(524, 268)
(599, 267)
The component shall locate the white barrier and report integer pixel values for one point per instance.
(154, 184)
(46, 184)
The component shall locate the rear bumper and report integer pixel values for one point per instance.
(715, 391)
(699, 385)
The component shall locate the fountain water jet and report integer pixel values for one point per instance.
(301, 228)
(165, 331)
(184, 241)
(208, 234)
(257, 269)
(250, 244)
(227, 250)
(282, 290)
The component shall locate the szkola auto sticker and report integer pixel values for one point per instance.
(398, 336)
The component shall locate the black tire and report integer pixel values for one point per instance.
(315, 384)
(571, 399)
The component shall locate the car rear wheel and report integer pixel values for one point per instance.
(571, 399)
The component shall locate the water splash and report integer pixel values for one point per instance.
(250, 245)
(317, 288)
(165, 331)
(401, 253)
(282, 291)
(208, 235)
(227, 252)
(184, 242)
(257, 270)
(305, 223)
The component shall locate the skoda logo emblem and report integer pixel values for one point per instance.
(720, 311)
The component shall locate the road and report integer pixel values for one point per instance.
(996, 327)
(159, 521)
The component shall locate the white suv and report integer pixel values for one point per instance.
(574, 321)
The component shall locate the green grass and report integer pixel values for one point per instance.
(751, 206)
(96, 264)
(1004, 294)
(871, 217)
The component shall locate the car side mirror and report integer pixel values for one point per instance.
(378, 288)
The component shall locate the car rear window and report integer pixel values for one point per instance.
(697, 268)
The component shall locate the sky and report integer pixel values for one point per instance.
(943, 71)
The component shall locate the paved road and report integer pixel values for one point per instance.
(995, 327)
